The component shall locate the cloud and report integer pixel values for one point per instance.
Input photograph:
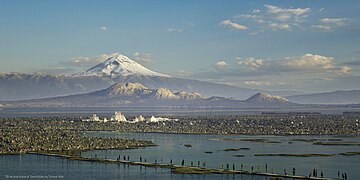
(233, 25)
(251, 62)
(343, 70)
(257, 83)
(337, 21)
(103, 28)
(221, 64)
(303, 72)
(144, 58)
(182, 73)
(174, 30)
(285, 14)
(57, 70)
(276, 26)
(256, 11)
(322, 28)
(292, 73)
(308, 63)
(287, 70)
(276, 18)
(330, 24)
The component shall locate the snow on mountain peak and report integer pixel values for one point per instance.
(126, 89)
(118, 64)
(138, 90)
(186, 95)
(164, 93)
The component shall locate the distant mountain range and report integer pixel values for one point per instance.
(121, 69)
(135, 94)
(335, 97)
(115, 69)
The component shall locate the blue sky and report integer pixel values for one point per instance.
(296, 45)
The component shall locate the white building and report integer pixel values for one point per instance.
(139, 119)
(105, 120)
(94, 118)
(119, 117)
(159, 119)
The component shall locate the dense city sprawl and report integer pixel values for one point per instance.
(65, 134)
(60, 136)
(273, 124)
(269, 124)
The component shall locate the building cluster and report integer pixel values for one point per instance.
(34, 134)
(119, 117)
(277, 124)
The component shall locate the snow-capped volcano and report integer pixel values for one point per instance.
(119, 65)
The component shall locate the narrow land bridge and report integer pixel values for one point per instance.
(177, 169)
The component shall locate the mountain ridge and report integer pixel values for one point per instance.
(138, 90)
(332, 97)
(135, 94)
(266, 98)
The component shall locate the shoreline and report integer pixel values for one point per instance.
(180, 133)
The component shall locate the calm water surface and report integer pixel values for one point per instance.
(171, 146)
(61, 168)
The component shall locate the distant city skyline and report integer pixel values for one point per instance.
(309, 46)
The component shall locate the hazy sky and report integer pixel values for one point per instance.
(296, 45)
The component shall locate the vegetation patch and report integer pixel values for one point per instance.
(305, 140)
(276, 178)
(333, 139)
(337, 143)
(257, 140)
(239, 155)
(350, 153)
(195, 170)
(296, 155)
(236, 149)
(317, 140)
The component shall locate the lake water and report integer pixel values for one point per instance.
(171, 146)
(38, 167)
